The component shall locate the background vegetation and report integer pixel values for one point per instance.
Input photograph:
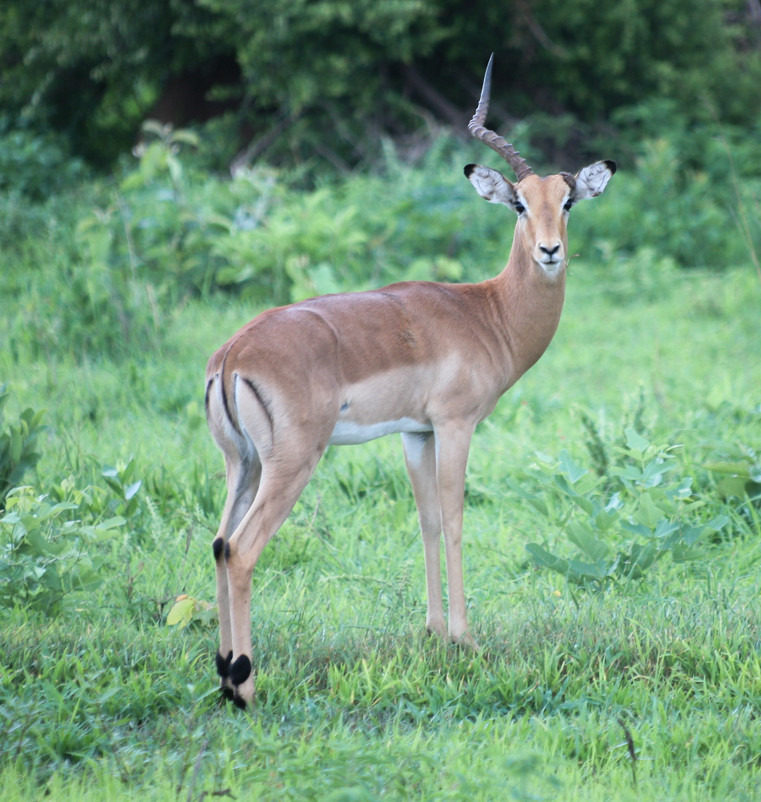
(613, 514)
(311, 83)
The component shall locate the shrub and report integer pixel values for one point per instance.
(617, 532)
(18, 442)
(35, 166)
(47, 552)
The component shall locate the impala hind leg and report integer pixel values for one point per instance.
(242, 486)
(420, 457)
(279, 490)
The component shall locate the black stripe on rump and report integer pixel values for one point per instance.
(225, 402)
(208, 393)
(261, 399)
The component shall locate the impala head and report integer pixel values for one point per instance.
(542, 204)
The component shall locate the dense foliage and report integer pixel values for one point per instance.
(328, 79)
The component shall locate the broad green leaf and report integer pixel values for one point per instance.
(648, 512)
(112, 523)
(639, 559)
(739, 469)
(681, 552)
(543, 558)
(604, 519)
(581, 536)
(637, 529)
(578, 571)
(573, 471)
(181, 613)
(130, 491)
(635, 441)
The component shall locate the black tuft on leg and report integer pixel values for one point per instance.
(217, 547)
(223, 664)
(240, 670)
(239, 702)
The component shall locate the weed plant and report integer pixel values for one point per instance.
(639, 429)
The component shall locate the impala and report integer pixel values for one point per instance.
(425, 359)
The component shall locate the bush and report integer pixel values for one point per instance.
(57, 544)
(170, 232)
(46, 553)
(18, 441)
(36, 166)
(621, 522)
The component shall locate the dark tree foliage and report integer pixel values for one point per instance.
(328, 79)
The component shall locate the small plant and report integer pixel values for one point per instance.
(18, 452)
(739, 473)
(123, 481)
(189, 610)
(618, 534)
(46, 552)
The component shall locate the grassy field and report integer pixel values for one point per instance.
(633, 686)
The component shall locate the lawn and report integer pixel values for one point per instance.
(621, 684)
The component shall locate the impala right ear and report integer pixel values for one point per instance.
(491, 185)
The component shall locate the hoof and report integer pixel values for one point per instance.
(223, 664)
(240, 670)
(466, 641)
(237, 684)
(436, 630)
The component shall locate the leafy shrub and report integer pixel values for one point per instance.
(738, 473)
(675, 209)
(35, 166)
(617, 534)
(54, 544)
(18, 442)
(159, 233)
(170, 231)
(47, 552)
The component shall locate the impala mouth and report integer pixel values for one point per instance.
(550, 261)
(552, 267)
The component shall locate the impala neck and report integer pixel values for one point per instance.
(530, 301)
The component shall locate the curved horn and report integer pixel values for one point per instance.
(490, 138)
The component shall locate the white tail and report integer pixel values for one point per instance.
(425, 359)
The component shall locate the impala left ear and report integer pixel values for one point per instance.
(592, 180)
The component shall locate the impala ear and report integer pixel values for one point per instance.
(592, 180)
(491, 185)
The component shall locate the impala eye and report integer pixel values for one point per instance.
(519, 207)
(568, 204)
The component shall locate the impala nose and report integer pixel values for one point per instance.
(550, 251)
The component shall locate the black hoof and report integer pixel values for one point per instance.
(240, 670)
(226, 693)
(223, 664)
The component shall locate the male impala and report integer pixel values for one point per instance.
(424, 359)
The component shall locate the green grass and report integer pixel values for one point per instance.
(101, 700)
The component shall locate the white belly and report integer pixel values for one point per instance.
(348, 432)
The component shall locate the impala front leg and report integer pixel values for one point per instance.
(420, 457)
(452, 446)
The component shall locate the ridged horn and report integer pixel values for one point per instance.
(489, 137)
